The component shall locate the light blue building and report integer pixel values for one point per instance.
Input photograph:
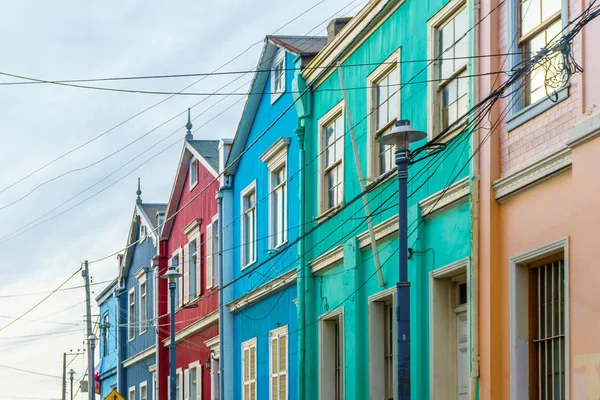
(136, 331)
(260, 225)
(107, 372)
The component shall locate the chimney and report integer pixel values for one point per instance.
(335, 26)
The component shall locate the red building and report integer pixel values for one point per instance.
(188, 241)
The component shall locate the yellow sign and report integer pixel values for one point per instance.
(114, 395)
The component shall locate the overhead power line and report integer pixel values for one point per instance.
(30, 372)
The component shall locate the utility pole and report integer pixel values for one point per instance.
(90, 335)
(71, 372)
(64, 381)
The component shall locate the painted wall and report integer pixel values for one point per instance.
(278, 308)
(108, 375)
(350, 284)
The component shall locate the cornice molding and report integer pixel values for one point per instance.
(212, 343)
(547, 168)
(192, 226)
(385, 230)
(197, 326)
(327, 260)
(584, 131)
(276, 148)
(273, 286)
(445, 199)
(142, 355)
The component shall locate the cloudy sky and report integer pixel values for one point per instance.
(79, 207)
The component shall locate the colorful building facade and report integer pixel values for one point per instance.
(189, 240)
(262, 228)
(107, 371)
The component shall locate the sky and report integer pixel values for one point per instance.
(55, 214)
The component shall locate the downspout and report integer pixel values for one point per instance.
(304, 108)
(225, 186)
(473, 387)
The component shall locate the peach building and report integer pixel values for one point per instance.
(538, 197)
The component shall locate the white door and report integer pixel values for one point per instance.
(462, 355)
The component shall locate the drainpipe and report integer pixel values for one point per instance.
(475, 217)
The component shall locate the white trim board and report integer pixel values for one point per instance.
(268, 289)
(443, 200)
(385, 230)
(150, 351)
(327, 260)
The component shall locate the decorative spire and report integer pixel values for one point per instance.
(139, 193)
(188, 126)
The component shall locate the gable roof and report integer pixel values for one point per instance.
(207, 153)
(106, 292)
(148, 213)
(304, 46)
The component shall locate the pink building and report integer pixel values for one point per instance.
(537, 248)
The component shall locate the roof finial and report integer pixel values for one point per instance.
(139, 193)
(188, 126)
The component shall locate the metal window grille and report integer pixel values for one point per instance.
(549, 330)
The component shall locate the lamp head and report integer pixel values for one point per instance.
(172, 275)
(402, 135)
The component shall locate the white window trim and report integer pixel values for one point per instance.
(179, 377)
(372, 80)
(279, 57)
(131, 323)
(131, 390)
(442, 379)
(519, 335)
(277, 162)
(198, 366)
(154, 384)
(210, 241)
(251, 187)
(376, 377)
(281, 331)
(177, 253)
(144, 385)
(334, 314)
(190, 165)
(433, 105)
(143, 324)
(336, 111)
(246, 345)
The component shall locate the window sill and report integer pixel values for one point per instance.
(374, 183)
(142, 332)
(329, 212)
(276, 96)
(248, 265)
(535, 109)
(451, 134)
(131, 339)
(193, 185)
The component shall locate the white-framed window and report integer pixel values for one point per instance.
(143, 306)
(191, 267)
(131, 320)
(249, 370)
(449, 86)
(131, 393)
(278, 366)
(143, 391)
(331, 155)
(212, 252)
(179, 384)
(539, 328)
(193, 172)
(154, 386)
(193, 381)
(278, 76)
(278, 205)
(105, 328)
(384, 109)
(331, 357)
(249, 242)
(382, 344)
(143, 232)
(175, 262)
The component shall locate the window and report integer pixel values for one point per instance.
(332, 356)
(131, 316)
(143, 307)
(212, 251)
(191, 271)
(131, 393)
(278, 76)
(105, 327)
(278, 353)
(381, 344)
(249, 370)
(193, 173)
(249, 225)
(175, 263)
(539, 22)
(452, 53)
(154, 386)
(143, 232)
(332, 159)
(143, 391)
(384, 109)
(178, 385)
(194, 378)
(278, 205)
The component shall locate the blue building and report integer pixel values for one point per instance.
(107, 371)
(136, 333)
(260, 224)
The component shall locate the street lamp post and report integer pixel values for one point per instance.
(71, 373)
(172, 275)
(402, 135)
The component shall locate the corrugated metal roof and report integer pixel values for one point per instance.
(151, 210)
(300, 45)
(209, 150)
